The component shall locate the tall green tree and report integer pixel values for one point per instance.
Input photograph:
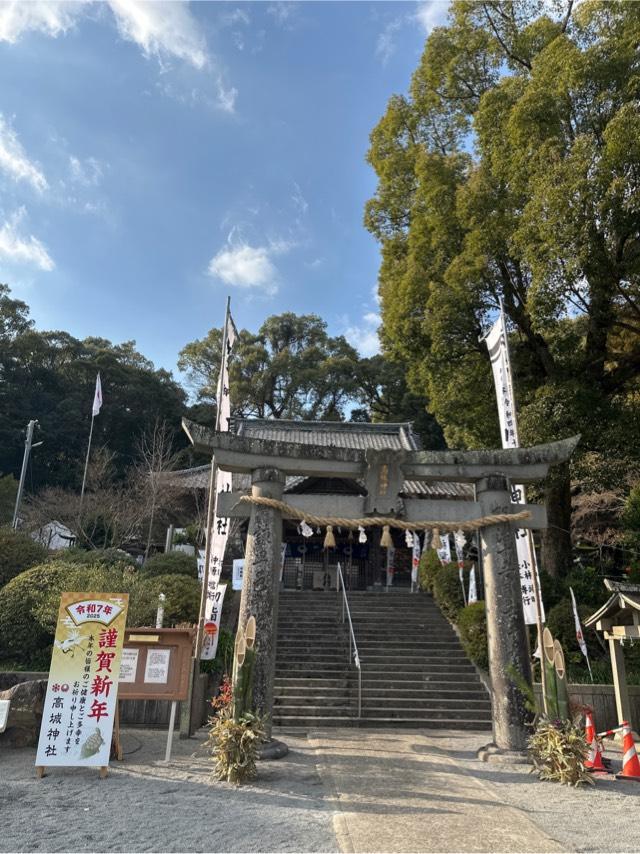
(50, 376)
(291, 368)
(511, 171)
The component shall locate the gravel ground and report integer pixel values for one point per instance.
(337, 790)
(145, 805)
(604, 817)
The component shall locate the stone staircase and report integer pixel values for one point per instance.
(414, 670)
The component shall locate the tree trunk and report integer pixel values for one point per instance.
(556, 538)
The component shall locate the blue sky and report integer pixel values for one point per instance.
(155, 157)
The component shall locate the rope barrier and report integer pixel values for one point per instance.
(383, 521)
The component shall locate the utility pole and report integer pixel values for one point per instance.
(25, 462)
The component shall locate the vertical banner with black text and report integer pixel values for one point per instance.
(220, 527)
(496, 342)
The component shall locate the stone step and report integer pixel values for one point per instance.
(317, 671)
(318, 722)
(417, 692)
(285, 683)
(344, 711)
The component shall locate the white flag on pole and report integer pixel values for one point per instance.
(97, 397)
(473, 592)
(496, 342)
(579, 634)
(220, 527)
(222, 392)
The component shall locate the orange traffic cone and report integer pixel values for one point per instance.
(589, 727)
(630, 761)
(594, 762)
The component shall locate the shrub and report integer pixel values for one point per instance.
(22, 638)
(108, 558)
(171, 563)
(428, 569)
(182, 604)
(29, 605)
(17, 553)
(472, 625)
(559, 751)
(448, 591)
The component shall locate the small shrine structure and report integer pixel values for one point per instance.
(619, 620)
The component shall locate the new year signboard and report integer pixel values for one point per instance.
(80, 704)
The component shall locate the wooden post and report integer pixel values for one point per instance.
(623, 706)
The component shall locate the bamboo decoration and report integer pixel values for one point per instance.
(244, 661)
(562, 689)
(548, 662)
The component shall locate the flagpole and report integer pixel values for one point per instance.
(532, 549)
(212, 503)
(86, 462)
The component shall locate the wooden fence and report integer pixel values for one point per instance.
(602, 699)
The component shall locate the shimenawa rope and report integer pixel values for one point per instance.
(384, 522)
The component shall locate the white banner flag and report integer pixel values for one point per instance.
(473, 591)
(415, 560)
(212, 623)
(496, 342)
(97, 397)
(444, 552)
(223, 400)
(579, 634)
(220, 527)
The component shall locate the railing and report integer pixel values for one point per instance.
(353, 648)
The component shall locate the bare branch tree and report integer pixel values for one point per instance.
(156, 458)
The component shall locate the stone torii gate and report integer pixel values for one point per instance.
(383, 471)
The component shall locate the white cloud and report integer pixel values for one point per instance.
(52, 19)
(18, 249)
(161, 30)
(250, 267)
(225, 96)
(432, 13)
(283, 13)
(386, 46)
(299, 201)
(14, 161)
(364, 337)
(87, 172)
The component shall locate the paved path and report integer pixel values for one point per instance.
(406, 790)
(337, 790)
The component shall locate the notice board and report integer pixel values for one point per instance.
(155, 664)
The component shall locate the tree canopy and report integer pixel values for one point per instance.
(511, 170)
(51, 376)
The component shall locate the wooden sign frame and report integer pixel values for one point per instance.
(176, 649)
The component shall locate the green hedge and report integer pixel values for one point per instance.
(182, 603)
(447, 590)
(428, 568)
(171, 563)
(29, 605)
(17, 553)
(107, 558)
(472, 625)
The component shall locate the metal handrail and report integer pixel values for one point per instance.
(353, 647)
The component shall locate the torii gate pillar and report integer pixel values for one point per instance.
(261, 584)
(506, 632)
